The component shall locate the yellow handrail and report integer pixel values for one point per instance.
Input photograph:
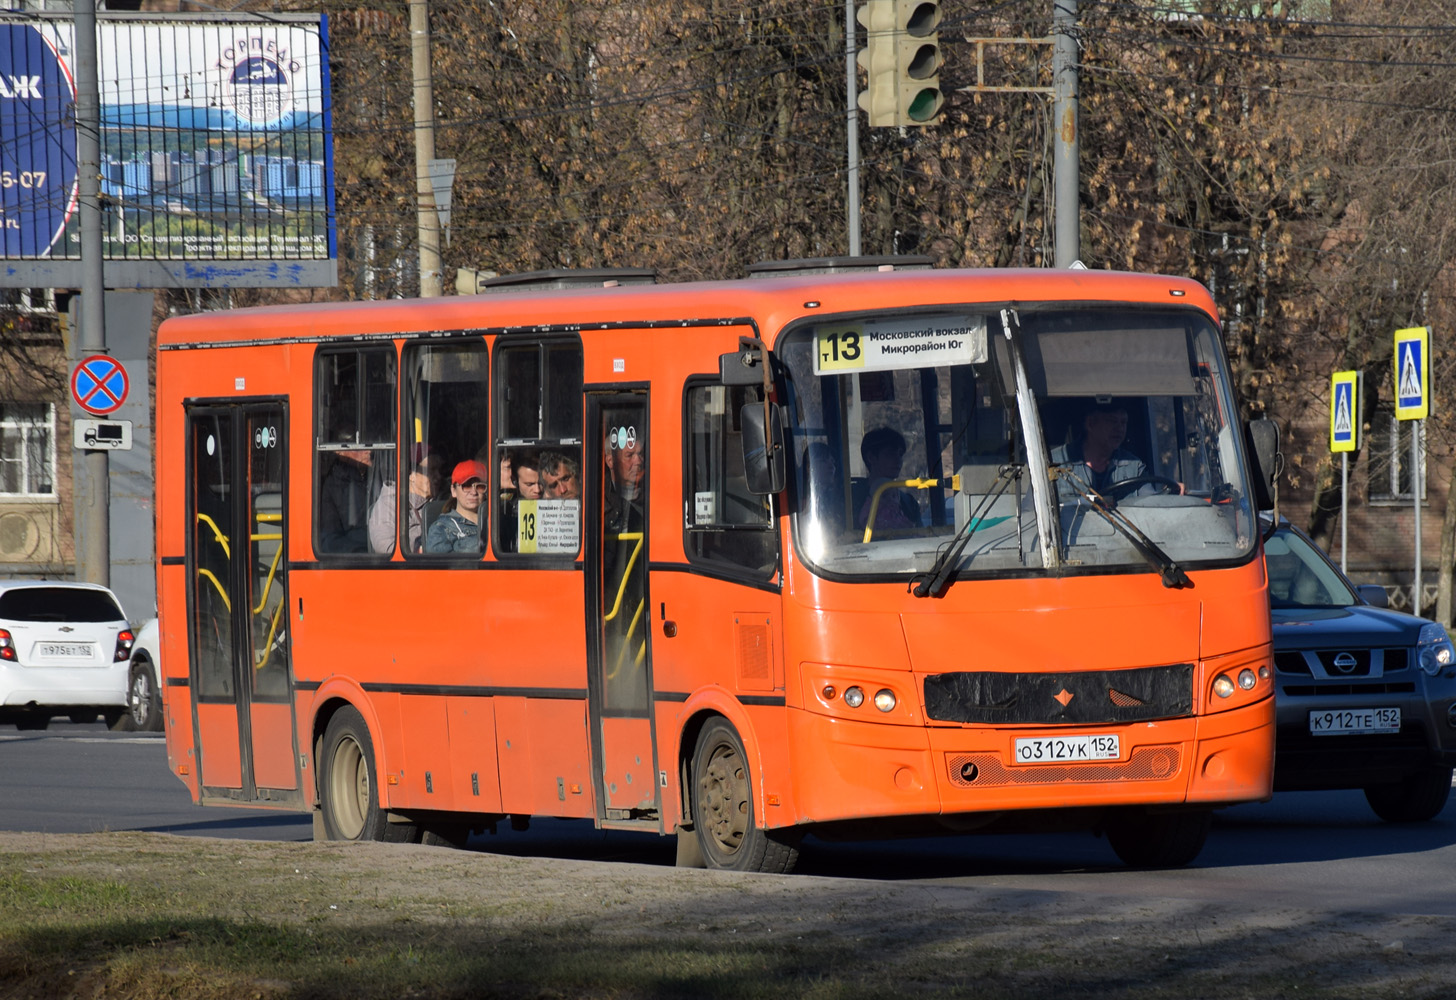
(622, 652)
(629, 536)
(277, 554)
(913, 484)
(221, 538)
(207, 574)
(272, 631)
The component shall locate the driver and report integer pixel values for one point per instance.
(1096, 456)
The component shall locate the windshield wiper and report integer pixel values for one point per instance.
(933, 581)
(1170, 571)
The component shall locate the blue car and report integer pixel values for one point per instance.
(1366, 696)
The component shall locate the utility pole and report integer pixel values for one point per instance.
(429, 221)
(852, 107)
(1066, 148)
(92, 496)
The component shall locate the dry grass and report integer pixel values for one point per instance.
(129, 915)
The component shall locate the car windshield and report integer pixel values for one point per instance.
(1301, 577)
(58, 604)
(961, 441)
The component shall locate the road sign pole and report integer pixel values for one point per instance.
(1413, 403)
(92, 496)
(1345, 437)
(1344, 509)
(1416, 428)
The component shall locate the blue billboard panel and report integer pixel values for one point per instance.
(37, 143)
(216, 149)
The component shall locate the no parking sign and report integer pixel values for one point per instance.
(99, 385)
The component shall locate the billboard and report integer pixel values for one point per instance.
(216, 151)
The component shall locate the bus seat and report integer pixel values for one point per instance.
(428, 513)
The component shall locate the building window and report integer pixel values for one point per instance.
(1390, 459)
(27, 450)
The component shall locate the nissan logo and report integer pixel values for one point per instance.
(1345, 663)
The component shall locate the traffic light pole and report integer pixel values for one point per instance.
(852, 132)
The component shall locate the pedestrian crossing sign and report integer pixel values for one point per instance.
(1413, 373)
(1345, 422)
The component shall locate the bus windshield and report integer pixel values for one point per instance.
(985, 441)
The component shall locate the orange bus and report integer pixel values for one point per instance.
(827, 550)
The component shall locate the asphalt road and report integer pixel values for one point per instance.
(1313, 850)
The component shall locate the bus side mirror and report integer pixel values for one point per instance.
(1263, 437)
(763, 449)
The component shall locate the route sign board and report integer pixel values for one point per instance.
(1345, 422)
(99, 385)
(1413, 373)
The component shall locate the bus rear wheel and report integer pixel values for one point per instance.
(349, 784)
(1159, 840)
(723, 813)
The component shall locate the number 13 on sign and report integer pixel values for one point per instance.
(840, 346)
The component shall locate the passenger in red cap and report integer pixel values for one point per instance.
(457, 529)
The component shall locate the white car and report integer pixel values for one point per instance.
(64, 650)
(144, 692)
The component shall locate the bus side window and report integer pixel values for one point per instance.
(445, 409)
(726, 525)
(538, 413)
(354, 443)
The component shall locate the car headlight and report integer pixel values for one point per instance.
(1434, 649)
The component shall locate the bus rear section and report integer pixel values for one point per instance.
(836, 555)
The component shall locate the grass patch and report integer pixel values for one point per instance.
(145, 917)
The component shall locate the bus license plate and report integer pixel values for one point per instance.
(59, 650)
(1067, 749)
(1354, 720)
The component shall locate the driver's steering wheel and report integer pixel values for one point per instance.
(1129, 486)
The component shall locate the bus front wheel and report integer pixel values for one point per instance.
(1159, 840)
(349, 784)
(723, 813)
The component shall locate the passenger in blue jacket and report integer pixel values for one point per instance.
(457, 529)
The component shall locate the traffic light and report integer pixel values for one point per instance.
(902, 60)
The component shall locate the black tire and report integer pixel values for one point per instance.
(723, 813)
(1159, 840)
(455, 835)
(32, 721)
(118, 720)
(1418, 798)
(349, 784)
(144, 703)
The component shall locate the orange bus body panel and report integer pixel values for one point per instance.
(473, 681)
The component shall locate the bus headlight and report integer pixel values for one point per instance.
(854, 696)
(1222, 686)
(885, 700)
(1434, 649)
(1247, 680)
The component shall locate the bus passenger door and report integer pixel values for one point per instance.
(619, 655)
(237, 628)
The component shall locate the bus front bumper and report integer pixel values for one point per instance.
(845, 770)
